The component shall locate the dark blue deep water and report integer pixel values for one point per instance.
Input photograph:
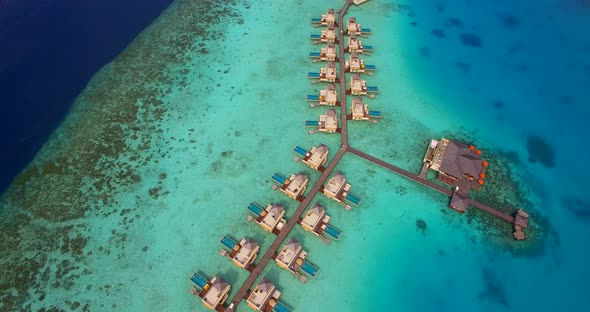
(49, 50)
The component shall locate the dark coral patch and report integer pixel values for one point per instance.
(494, 289)
(421, 225)
(578, 206)
(454, 22)
(439, 33)
(470, 40)
(508, 21)
(499, 105)
(425, 52)
(540, 151)
(464, 67)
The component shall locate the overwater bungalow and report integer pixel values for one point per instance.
(327, 35)
(359, 87)
(292, 258)
(293, 187)
(356, 45)
(265, 298)
(326, 74)
(317, 222)
(521, 221)
(352, 27)
(338, 190)
(314, 158)
(270, 218)
(357, 65)
(326, 54)
(457, 164)
(327, 123)
(327, 97)
(242, 253)
(212, 292)
(328, 19)
(360, 111)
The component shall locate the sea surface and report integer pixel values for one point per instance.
(166, 146)
(49, 50)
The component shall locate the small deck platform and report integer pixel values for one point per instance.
(293, 258)
(327, 97)
(315, 158)
(328, 19)
(359, 86)
(360, 111)
(357, 65)
(326, 74)
(338, 190)
(270, 219)
(242, 253)
(294, 187)
(317, 222)
(213, 292)
(327, 123)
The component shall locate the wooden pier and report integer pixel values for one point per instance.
(296, 217)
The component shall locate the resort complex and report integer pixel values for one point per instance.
(458, 166)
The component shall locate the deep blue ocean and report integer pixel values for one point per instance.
(49, 50)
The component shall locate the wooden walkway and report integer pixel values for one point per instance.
(402, 172)
(343, 105)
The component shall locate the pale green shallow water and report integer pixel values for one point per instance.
(229, 120)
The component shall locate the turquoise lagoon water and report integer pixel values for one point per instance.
(166, 147)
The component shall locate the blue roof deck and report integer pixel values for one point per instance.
(278, 178)
(255, 209)
(312, 123)
(300, 151)
(279, 307)
(313, 75)
(366, 30)
(315, 36)
(368, 47)
(316, 20)
(314, 54)
(332, 232)
(227, 242)
(309, 269)
(311, 97)
(370, 67)
(199, 281)
(372, 89)
(353, 199)
(375, 114)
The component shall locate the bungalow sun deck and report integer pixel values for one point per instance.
(360, 111)
(352, 27)
(293, 187)
(355, 45)
(327, 97)
(242, 253)
(270, 218)
(292, 258)
(357, 65)
(212, 292)
(326, 74)
(338, 190)
(328, 19)
(315, 158)
(327, 35)
(359, 87)
(326, 54)
(327, 123)
(265, 298)
(317, 222)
